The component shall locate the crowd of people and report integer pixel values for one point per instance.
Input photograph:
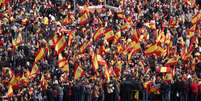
(100, 50)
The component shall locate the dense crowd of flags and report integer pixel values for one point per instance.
(131, 47)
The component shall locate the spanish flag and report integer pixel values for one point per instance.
(61, 61)
(136, 47)
(100, 60)
(39, 55)
(164, 69)
(15, 81)
(125, 27)
(191, 31)
(98, 33)
(78, 72)
(83, 19)
(196, 18)
(118, 68)
(109, 34)
(24, 80)
(160, 37)
(94, 61)
(35, 70)
(70, 37)
(63, 64)
(84, 46)
(10, 91)
(106, 73)
(135, 36)
(151, 49)
(43, 82)
(151, 24)
(16, 42)
(61, 44)
(117, 36)
(172, 61)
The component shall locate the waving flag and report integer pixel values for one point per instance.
(24, 80)
(100, 60)
(151, 49)
(83, 19)
(196, 18)
(125, 27)
(191, 31)
(109, 34)
(136, 47)
(164, 69)
(118, 68)
(117, 36)
(79, 72)
(63, 63)
(43, 82)
(15, 81)
(98, 33)
(172, 61)
(94, 61)
(106, 73)
(135, 36)
(154, 49)
(160, 37)
(10, 91)
(60, 45)
(35, 70)
(16, 42)
(70, 38)
(40, 54)
(84, 46)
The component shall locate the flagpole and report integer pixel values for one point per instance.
(74, 4)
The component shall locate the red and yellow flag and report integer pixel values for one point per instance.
(10, 91)
(135, 36)
(43, 82)
(106, 73)
(196, 18)
(94, 62)
(117, 36)
(135, 48)
(39, 55)
(151, 49)
(118, 68)
(24, 80)
(16, 42)
(60, 45)
(172, 61)
(35, 70)
(83, 19)
(164, 69)
(63, 63)
(100, 60)
(109, 34)
(79, 72)
(191, 31)
(14, 80)
(84, 46)
(70, 37)
(98, 33)
(124, 27)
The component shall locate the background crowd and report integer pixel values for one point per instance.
(100, 50)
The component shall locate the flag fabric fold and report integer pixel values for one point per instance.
(61, 44)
